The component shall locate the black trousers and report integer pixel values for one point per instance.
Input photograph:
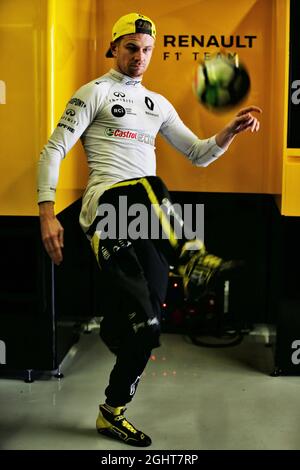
(132, 349)
(134, 275)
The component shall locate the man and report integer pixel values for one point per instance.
(117, 120)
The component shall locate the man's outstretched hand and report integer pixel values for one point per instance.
(243, 121)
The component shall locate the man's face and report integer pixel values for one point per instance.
(133, 53)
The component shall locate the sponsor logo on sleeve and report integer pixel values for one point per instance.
(64, 126)
(68, 117)
(77, 102)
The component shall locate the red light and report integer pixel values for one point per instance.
(175, 284)
(164, 305)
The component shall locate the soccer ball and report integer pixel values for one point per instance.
(221, 82)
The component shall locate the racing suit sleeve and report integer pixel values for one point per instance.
(79, 113)
(201, 152)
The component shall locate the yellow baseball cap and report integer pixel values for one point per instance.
(131, 24)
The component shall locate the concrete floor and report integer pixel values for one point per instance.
(189, 398)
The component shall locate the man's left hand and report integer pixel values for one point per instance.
(243, 121)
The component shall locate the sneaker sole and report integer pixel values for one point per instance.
(108, 432)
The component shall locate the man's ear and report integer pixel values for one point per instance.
(113, 48)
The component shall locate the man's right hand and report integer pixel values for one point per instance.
(52, 232)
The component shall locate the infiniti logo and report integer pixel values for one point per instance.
(119, 94)
(70, 112)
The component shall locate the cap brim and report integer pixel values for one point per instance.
(109, 53)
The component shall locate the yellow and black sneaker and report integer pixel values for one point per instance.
(200, 270)
(112, 422)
